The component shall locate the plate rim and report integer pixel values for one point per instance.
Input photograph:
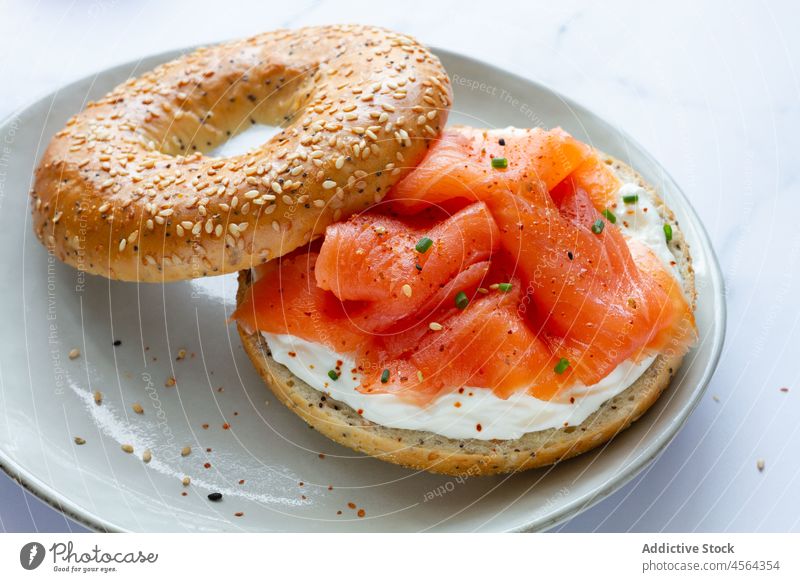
(90, 519)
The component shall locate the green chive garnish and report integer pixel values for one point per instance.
(562, 366)
(668, 232)
(504, 287)
(461, 300)
(598, 226)
(499, 163)
(630, 198)
(385, 376)
(424, 244)
(610, 216)
(333, 375)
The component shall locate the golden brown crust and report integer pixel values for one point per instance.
(125, 192)
(471, 457)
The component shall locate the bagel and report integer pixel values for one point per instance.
(429, 451)
(125, 190)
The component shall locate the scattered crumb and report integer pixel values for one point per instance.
(361, 513)
(170, 382)
(205, 426)
(181, 355)
(241, 481)
(147, 456)
(322, 455)
(80, 441)
(351, 505)
(137, 408)
(186, 451)
(127, 448)
(74, 353)
(760, 465)
(715, 397)
(784, 389)
(186, 481)
(225, 426)
(239, 514)
(117, 343)
(98, 397)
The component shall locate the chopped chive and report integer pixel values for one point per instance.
(424, 244)
(385, 376)
(505, 287)
(630, 198)
(461, 300)
(562, 366)
(333, 374)
(668, 232)
(499, 162)
(598, 226)
(610, 216)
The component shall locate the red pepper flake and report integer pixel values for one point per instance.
(572, 400)
(361, 513)
(208, 450)
(207, 465)
(301, 483)
(479, 427)
(241, 481)
(303, 497)
(292, 354)
(339, 512)
(205, 426)
(322, 455)
(225, 426)
(239, 514)
(330, 487)
(461, 390)
(184, 494)
(360, 411)
(457, 404)
(351, 505)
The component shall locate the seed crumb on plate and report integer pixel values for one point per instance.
(147, 456)
(80, 440)
(760, 465)
(170, 382)
(74, 353)
(127, 448)
(137, 408)
(98, 397)
(186, 451)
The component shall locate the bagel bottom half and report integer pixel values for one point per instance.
(432, 452)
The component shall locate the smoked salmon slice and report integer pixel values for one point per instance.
(460, 165)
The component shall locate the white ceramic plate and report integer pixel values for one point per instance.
(46, 399)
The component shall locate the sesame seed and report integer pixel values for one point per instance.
(127, 448)
(186, 451)
(435, 326)
(147, 456)
(407, 290)
(137, 408)
(98, 397)
(74, 353)
(328, 184)
(186, 481)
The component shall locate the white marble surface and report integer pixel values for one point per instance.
(712, 91)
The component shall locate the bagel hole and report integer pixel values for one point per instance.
(254, 136)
